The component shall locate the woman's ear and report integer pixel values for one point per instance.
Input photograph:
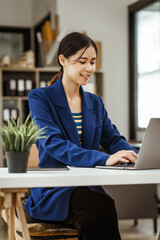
(62, 60)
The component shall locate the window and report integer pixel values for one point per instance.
(144, 65)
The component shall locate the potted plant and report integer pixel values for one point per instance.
(17, 140)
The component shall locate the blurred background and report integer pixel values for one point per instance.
(127, 34)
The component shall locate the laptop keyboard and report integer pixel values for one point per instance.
(125, 165)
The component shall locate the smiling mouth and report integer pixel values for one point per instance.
(85, 76)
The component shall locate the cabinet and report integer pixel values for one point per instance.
(16, 101)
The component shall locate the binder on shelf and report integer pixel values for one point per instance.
(40, 49)
(29, 85)
(14, 113)
(6, 115)
(12, 87)
(25, 110)
(5, 87)
(43, 84)
(21, 87)
(48, 33)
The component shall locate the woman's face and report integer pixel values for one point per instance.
(79, 71)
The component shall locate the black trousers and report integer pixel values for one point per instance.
(93, 213)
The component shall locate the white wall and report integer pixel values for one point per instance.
(128, 2)
(15, 13)
(105, 21)
(24, 13)
(41, 8)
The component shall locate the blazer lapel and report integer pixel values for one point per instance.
(88, 121)
(64, 113)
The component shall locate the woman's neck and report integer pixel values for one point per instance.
(71, 89)
(73, 95)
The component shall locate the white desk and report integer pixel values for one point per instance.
(78, 177)
(13, 186)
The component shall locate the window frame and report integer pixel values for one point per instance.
(132, 10)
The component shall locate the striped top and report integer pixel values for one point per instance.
(78, 121)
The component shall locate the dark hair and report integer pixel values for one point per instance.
(69, 46)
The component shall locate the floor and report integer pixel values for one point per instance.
(143, 231)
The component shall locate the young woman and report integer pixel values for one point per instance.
(58, 106)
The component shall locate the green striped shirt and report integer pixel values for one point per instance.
(78, 121)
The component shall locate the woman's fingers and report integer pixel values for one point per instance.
(129, 155)
(122, 156)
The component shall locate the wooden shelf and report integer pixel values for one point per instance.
(14, 98)
(17, 69)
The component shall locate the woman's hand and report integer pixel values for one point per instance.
(124, 156)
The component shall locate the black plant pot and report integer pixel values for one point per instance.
(17, 161)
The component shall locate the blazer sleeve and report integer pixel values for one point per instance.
(111, 140)
(63, 150)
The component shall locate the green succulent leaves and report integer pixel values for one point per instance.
(17, 137)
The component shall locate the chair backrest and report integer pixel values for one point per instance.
(33, 157)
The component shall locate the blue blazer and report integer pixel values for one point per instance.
(50, 108)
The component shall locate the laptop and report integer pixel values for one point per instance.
(149, 154)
